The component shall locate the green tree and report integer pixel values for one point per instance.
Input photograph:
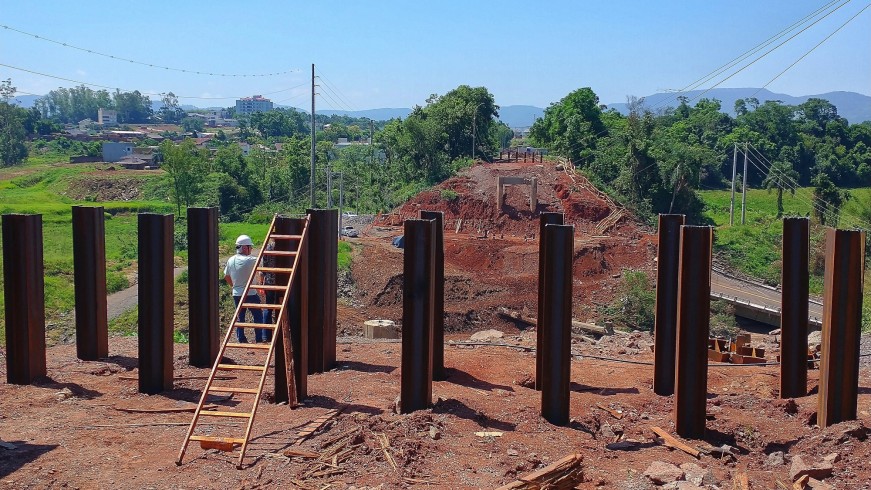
(7, 91)
(186, 167)
(12, 134)
(828, 200)
(781, 175)
(192, 124)
(571, 127)
(132, 107)
(171, 112)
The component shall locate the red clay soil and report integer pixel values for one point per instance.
(74, 429)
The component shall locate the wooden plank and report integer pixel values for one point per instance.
(234, 345)
(614, 413)
(740, 482)
(676, 443)
(302, 453)
(316, 424)
(561, 475)
(216, 413)
(241, 367)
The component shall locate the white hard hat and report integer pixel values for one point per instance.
(244, 240)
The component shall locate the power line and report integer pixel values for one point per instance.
(142, 63)
(811, 50)
(699, 82)
(143, 93)
(748, 65)
(335, 91)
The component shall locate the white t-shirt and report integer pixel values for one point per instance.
(239, 268)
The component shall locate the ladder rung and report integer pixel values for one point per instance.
(247, 346)
(215, 413)
(285, 237)
(240, 367)
(267, 287)
(262, 306)
(255, 325)
(286, 270)
(226, 440)
(226, 389)
(281, 253)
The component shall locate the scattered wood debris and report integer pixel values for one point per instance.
(673, 442)
(562, 475)
(617, 414)
(316, 424)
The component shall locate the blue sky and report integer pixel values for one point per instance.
(395, 54)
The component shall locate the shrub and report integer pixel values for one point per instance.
(449, 195)
(633, 307)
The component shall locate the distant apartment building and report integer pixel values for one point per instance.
(107, 117)
(250, 105)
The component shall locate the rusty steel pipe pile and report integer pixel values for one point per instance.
(556, 320)
(665, 323)
(693, 328)
(417, 315)
(24, 287)
(322, 284)
(794, 308)
(89, 277)
(842, 323)
(438, 328)
(543, 220)
(155, 302)
(204, 332)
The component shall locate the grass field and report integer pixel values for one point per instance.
(755, 247)
(42, 189)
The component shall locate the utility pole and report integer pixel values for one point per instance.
(744, 187)
(329, 184)
(734, 167)
(341, 198)
(313, 198)
(473, 134)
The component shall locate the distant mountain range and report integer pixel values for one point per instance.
(852, 106)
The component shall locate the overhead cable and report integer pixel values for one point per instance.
(150, 65)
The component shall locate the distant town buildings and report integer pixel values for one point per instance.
(107, 117)
(250, 105)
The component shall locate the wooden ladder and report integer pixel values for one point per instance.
(230, 443)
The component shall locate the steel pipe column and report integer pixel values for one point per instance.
(794, 308)
(556, 320)
(693, 327)
(438, 326)
(665, 323)
(155, 302)
(842, 323)
(322, 278)
(417, 315)
(89, 264)
(24, 293)
(203, 284)
(296, 316)
(543, 220)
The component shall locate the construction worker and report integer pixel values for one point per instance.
(236, 273)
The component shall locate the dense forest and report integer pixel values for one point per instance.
(654, 161)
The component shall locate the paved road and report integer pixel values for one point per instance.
(126, 299)
(755, 294)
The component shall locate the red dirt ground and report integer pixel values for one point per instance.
(69, 430)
